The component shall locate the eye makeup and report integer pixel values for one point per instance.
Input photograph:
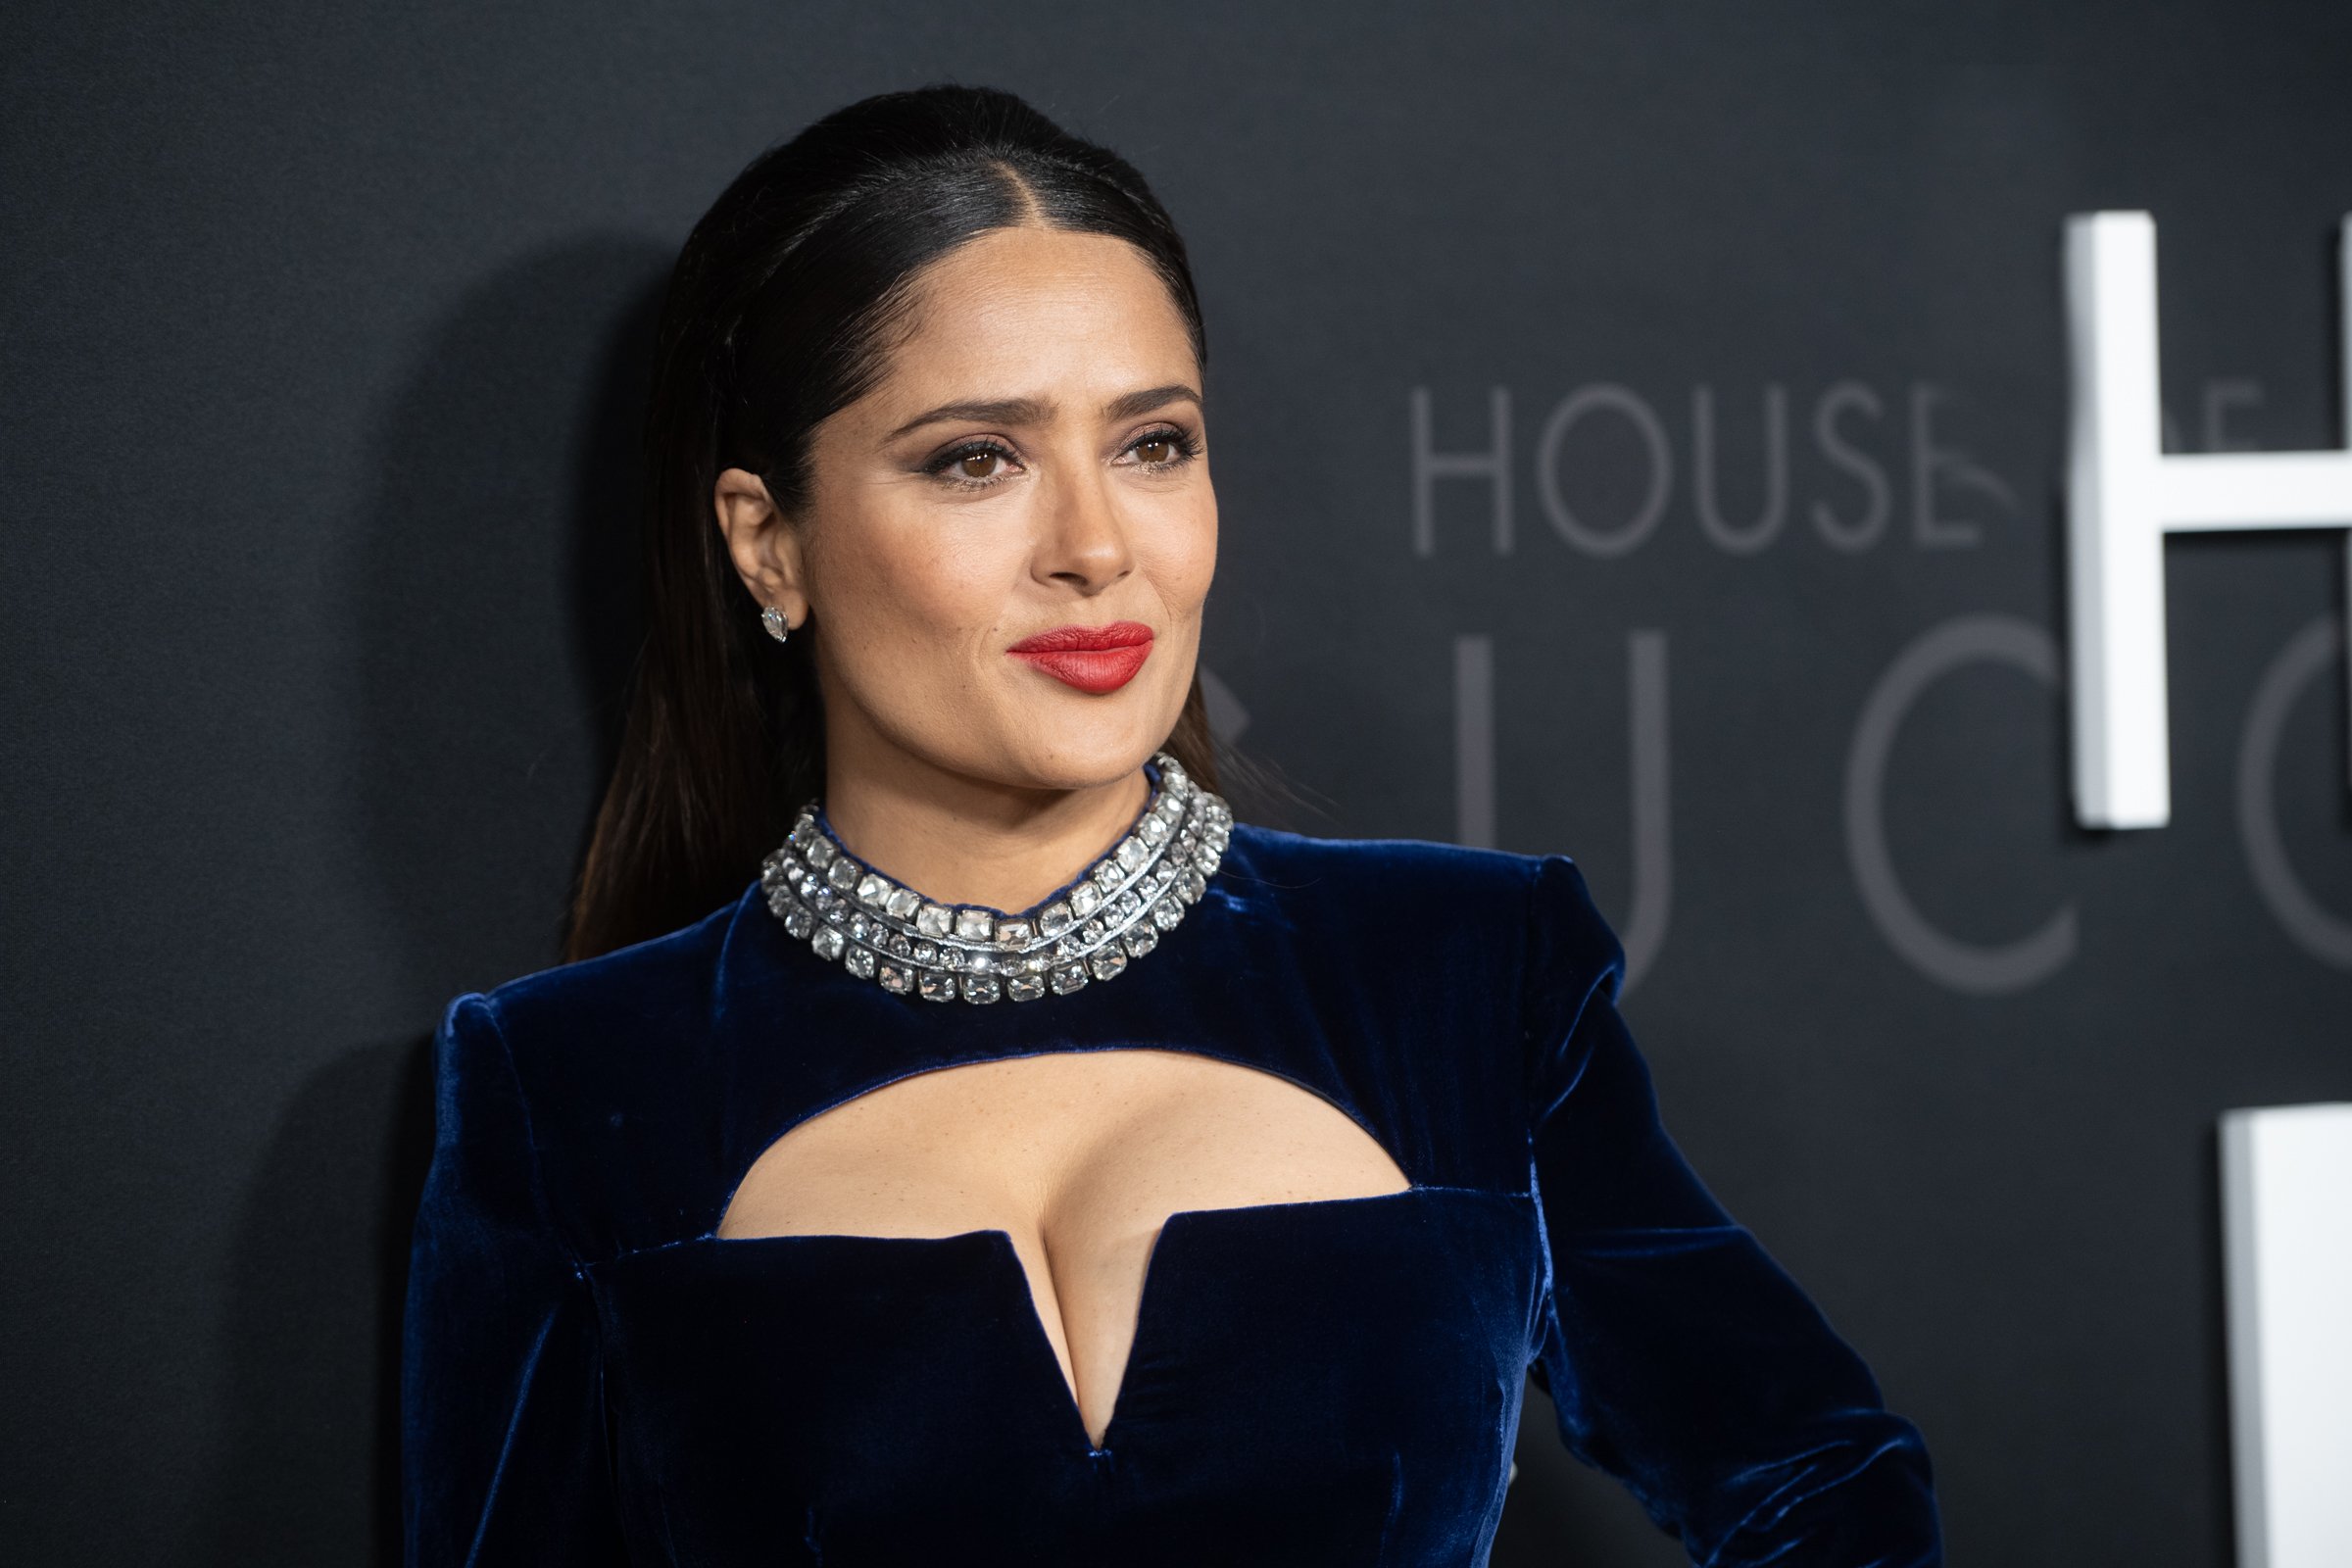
(954, 463)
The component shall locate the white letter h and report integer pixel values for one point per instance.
(2125, 493)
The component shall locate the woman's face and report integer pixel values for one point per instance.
(1006, 543)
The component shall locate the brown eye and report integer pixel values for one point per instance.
(1155, 450)
(977, 465)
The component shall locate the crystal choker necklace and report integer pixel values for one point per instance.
(1116, 910)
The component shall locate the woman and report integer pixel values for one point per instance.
(1031, 1164)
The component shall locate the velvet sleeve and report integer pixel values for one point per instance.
(504, 1455)
(1680, 1356)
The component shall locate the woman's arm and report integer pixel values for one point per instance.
(1680, 1357)
(503, 1426)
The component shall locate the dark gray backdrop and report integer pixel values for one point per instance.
(319, 341)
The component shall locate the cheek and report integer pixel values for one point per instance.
(1180, 551)
(890, 584)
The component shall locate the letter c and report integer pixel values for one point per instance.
(2324, 936)
(1963, 966)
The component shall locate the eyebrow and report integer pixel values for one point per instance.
(1036, 411)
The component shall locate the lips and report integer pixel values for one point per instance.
(1092, 659)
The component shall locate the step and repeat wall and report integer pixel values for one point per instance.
(1640, 433)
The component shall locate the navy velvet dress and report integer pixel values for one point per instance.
(594, 1377)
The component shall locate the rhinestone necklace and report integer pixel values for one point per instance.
(1117, 909)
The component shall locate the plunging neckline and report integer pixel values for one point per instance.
(1035, 1332)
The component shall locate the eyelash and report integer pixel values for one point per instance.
(1187, 444)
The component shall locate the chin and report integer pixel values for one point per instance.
(1066, 751)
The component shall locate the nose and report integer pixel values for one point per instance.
(1083, 542)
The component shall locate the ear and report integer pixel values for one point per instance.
(762, 543)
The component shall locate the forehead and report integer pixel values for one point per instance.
(1019, 311)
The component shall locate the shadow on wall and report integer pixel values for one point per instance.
(492, 605)
(496, 607)
(308, 1470)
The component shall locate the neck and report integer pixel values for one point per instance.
(957, 839)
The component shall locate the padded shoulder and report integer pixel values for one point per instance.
(660, 986)
(611, 1068)
(1525, 923)
(1535, 908)
(1567, 930)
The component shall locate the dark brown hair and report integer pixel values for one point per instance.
(778, 314)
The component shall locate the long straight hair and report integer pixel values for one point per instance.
(779, 313)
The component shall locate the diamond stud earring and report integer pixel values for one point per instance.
(777, 626)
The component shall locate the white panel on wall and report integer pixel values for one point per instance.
(2286, 1222)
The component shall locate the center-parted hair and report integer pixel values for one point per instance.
(782, 309)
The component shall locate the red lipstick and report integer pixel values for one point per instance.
(1093, 658)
